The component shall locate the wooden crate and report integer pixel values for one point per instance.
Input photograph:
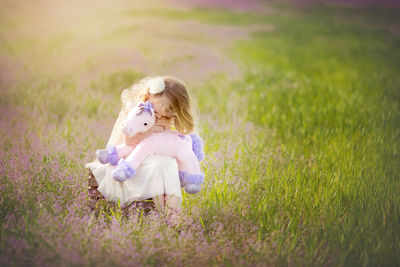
(94, 196)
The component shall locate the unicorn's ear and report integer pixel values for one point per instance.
(148, 107)
(139, 110)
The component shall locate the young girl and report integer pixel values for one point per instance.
(157, 177)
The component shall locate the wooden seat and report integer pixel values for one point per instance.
(95, 196)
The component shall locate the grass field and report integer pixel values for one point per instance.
(299, 108)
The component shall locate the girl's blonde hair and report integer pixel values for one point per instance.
(179, 105)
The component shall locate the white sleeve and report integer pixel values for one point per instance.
(117, 137)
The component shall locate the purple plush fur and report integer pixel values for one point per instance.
(112, 155)
(147, 106)
(197, 146)
(194, 178)
(182, 178)
(130, 172)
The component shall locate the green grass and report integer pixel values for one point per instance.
(213, 16)
(326, 93)
(302, 150)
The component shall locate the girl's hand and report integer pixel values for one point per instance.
(134, 140)
(161, 124)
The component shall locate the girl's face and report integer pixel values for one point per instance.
(160, 104)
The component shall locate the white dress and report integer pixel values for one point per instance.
(156, 175)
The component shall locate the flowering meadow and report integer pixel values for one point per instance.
(298, 106)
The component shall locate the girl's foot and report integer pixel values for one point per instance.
(174, 220)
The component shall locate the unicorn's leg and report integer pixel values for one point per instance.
(103, 156)
(190, 172)
(113, 153)
(193, 188)
(108, 155)
(123, 150)
(127, 167)
(141, 151)
(123, 171)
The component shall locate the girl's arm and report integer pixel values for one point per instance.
(161, 124)
(116, 136)
(134, 140)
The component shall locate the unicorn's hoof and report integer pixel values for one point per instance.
(102, 156)
(119, 175)
(182, 175)
(192, 188)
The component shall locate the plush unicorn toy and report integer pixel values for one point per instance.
(187, 149)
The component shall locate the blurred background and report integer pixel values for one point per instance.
(298, 103)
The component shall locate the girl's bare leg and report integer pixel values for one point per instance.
(172, 202)
(159, 203)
